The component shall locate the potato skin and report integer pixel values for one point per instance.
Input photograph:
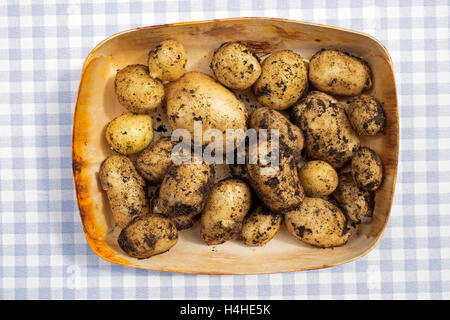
(147, 236)
(124, 188)
(167, 61)
(154, 161)
(366, 115)
(280, 190)
(198, 97)
(226, 207)
(318, 223)
(283, 80)
(136, 90)
(260, 226)
(318, 178)
(289, 134)
(339, 73)
(186, 221)
(367, 169)
(328, 133)
(129, 133)
(184, 189)
(235, 66)
(356, 204)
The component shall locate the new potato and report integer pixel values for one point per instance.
(260, 226)
(277, 186)
(339, 73)
(318, 178)
(136, 90)
(129, 133)
(235, 66)
(366, 115)
(184, 189)
(367, 170)
(283, 80)
(147, 236)
(124, 188)
(154, 161)
(357, 204)
(328, 133)
(198, 97)
(167, 60)
(226, 207)
(289, 134)
(318, 223)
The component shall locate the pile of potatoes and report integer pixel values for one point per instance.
(325, 183)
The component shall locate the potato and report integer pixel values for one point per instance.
(136, 90)
(366, 115)
(167, 60)
(280, 190)
(181, 222)
(367, 170)
(197, 97)
(283, 80)
(129, 133)
(339, 73)
(184, 189)
(260, 226)
(318, 178)
(124, 188)
(356, 204)
(226, 207)
(235, 66)
(328, 133)
(318, 223)
(154, 161)
(147, 236)
(289, 134)
(239, 171)
(185, 221)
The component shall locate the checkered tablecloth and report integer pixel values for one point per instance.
(43, 251)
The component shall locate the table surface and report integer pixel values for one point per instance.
(43, 252)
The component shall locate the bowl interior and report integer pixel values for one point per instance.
(97, 105)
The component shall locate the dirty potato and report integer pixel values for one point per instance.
(260, 226)
(184, 189)
(226, 207)
(367, 170)
(318, 223)
(328, 133)
(147, 236)
(167, 61)
(339, 73)
(196, 97)
(278, 186)
(366, 115)
(289, 134)
(154, 161)
(136, 90)
(356, 204)
(235, 66)
(129, 133)
(186, 221)
(318, 178)
(283, 80)
(124, 188)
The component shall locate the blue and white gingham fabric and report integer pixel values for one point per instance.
(43, 252)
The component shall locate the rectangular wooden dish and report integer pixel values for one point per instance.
(97, 105)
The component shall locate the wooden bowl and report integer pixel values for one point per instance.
(97, 104)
